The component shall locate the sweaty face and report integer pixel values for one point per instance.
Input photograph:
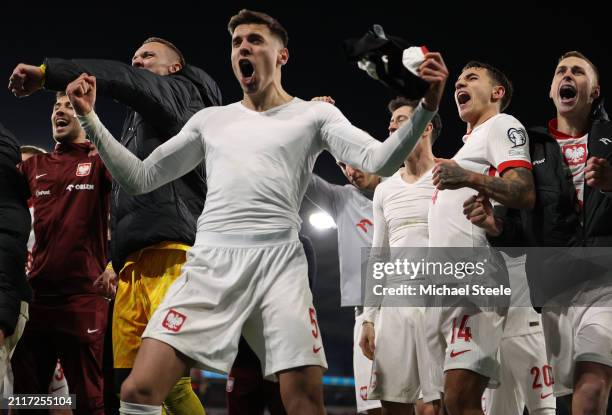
(574, 86)
(65, 126)
(256, 57)
(157, 58)
(399, 117)
(474, 93)
(358, 178)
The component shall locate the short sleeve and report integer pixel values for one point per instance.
(508, 144)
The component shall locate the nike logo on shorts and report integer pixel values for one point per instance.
(40, 175)
(455, 354)
(545, 396)
(89, 331)
(316, 349)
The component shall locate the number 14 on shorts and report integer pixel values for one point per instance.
(461, 330)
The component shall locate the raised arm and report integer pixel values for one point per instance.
(176, 157)
(357, 148)
(158, 98)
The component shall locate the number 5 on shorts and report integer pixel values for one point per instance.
(313, 321)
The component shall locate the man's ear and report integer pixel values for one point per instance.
(283, 56)
(175, 67)
(498, 93)
(596, 92)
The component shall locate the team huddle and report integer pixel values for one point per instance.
(204, 203)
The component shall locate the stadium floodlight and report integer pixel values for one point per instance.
(321, 221)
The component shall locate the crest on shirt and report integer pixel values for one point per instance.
(174, 320)
(83, 169)
(517, 136)
(575, 154)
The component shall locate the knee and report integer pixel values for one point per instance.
(142, 392)
(458, 402)
(308, 394)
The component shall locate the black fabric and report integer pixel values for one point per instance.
(15, 223)
(311, 258)
(375, 45)
(556, 220)
(159, 106)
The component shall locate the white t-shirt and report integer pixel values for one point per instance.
(401, 210)
(499, 143)
(258, 164)
(351, 209)
(400, 216)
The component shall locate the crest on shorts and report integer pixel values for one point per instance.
(174, 320)
(517, 136)
(83, 169)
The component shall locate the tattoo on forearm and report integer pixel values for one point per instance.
(514, 190)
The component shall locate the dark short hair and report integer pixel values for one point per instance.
(436, 121)
(498, 77)
(576, 54)
(28, 149)
(252, 17)
(169, 45)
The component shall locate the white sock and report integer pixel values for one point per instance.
(128, 408)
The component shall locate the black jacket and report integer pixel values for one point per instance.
(15, 223)
(555, 220)
(159, 107)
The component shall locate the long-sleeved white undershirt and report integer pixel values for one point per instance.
(258, 163)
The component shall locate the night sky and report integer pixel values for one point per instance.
(524, 42)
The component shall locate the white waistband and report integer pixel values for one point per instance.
(247, 240)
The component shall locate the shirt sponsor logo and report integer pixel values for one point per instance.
(83, 169)
(606, 140)
(536, 162)
(362, 224)
(86, 186)
(575, 154)
(517, 136)
(40, 193)
(174, 320)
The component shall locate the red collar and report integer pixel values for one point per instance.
(552, 129)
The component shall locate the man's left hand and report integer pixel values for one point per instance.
(598, 174)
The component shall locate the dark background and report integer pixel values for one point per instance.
(525, 42)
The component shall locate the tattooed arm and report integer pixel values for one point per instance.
(515, 189)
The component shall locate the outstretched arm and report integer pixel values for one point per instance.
(153, 96)
(359, 149)
(176, 157)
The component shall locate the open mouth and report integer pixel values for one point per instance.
(61, 122)
(246, 68)
(463, 97)
(567, 93)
